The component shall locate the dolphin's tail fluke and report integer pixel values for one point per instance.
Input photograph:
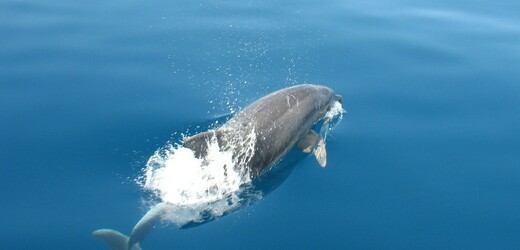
(119, 241)
(114, 239)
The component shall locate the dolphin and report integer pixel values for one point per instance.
(280, 121)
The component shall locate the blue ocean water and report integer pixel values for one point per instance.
(426, 156)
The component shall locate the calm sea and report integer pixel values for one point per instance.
(427, 156)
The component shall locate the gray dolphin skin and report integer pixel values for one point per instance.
(280, 121)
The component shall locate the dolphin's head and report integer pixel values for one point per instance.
(328, 110)
(323, 98)
(298, 106)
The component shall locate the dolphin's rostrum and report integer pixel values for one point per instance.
(279, 122)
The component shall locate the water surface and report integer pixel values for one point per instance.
(426, 157)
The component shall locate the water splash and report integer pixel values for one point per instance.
(331, 119)
(336, 111)
(197, 188)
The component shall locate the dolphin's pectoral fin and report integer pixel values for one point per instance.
(312, 141)
(321, 153)
(114, 239)
(308, 142)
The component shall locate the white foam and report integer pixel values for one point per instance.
(331, 119)
(178, 177)
(336, 111)
(196, 186)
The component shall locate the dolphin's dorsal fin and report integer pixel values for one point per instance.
(312, 141)
(199, 142)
